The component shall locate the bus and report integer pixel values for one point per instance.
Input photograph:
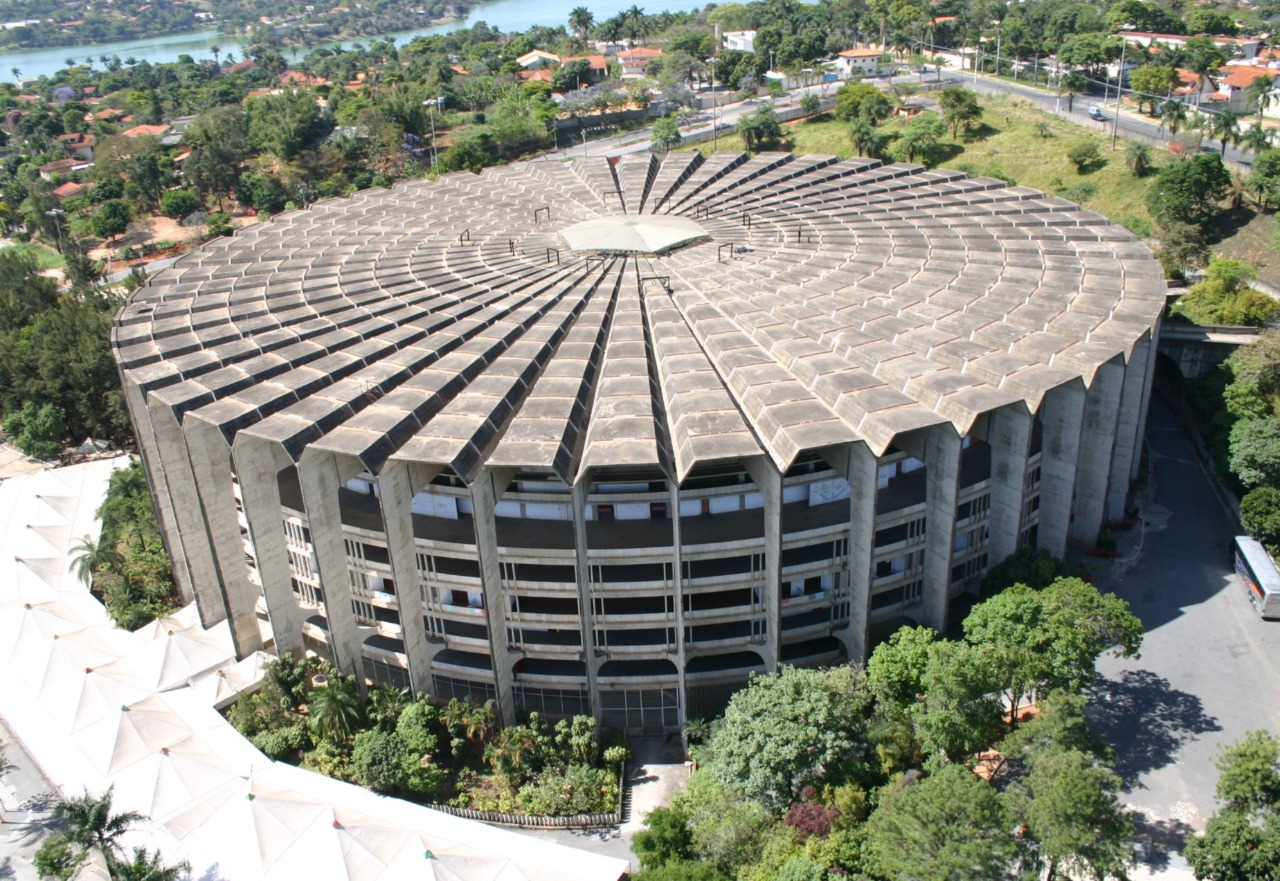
(1258, 572)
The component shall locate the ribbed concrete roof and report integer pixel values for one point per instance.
(448, 322)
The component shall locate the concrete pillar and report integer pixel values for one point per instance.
(322, 474)
(158, 484)
(397, 484)
(677, 589)
(586, 611)
(1008, 436)
(198, 551)
(258, 466)
(942, 461)
(861, 474)
(489, 486)
(1098, 435)
(211, 463)
(1128, 441)
(1061, 415)
(768, 480)
(1144, 408)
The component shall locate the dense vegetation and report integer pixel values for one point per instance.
(1242, 840)
(128, 566)
(85, 824)
(433, 754)
(919, 768)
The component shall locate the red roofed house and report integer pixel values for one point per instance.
(139, 131)
(70, 188)
(597, 67)
(862, 60)
(1236, 82)
(78, 146)
(63, 166)
(1192, 90)
(635, 60)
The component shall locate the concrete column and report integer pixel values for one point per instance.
(322, 474)
(1144, 408)
(942, 461)
(1098, 435)
(586, 612)
(198, 551)
(161, 500)
(861, 474)
(397, 484)
(1008, 436)
(489, 485)
(258, 466)
(1061, 415)
(677, 588)
(211, 462)
(768, 480)
(1128, 441)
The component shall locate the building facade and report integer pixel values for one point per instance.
(594, 438)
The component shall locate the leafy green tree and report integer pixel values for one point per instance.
(1085, 156)
(760, 130)
(1264, 180)
(1224, 296)
(792, 728)
(687, 871)
(862, 101)
(1070, 807)
(666, 133)
(958, 715)
(24, 292)
(417, 729)
(960, 108)
(148, 866)
(895, 672)
(867, 139)
(1026, 565)
(950, 826)
(179, 203)
(810, 104)
(727, 826)
(334, 709)
(1249, 773)
(1190, 191)
(1152, 84)
(88, 823)
(284, 123)
(665, 839)
(921, 138)
(1072, 83)
(386, 703)
(377, 759)
(1182, 246)
(37, 430)
(1211, 21)
(111, 219)
(1260, 516)
(1242, 841)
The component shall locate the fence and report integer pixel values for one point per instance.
(525, 821)
(825, 105)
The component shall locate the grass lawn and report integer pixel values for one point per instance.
(1008, 143)
(46, 257)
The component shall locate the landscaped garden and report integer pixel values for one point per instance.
(457, 754)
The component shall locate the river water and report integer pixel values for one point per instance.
(506, 15)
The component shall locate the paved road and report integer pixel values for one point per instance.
(1210, 668)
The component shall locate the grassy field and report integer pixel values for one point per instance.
(46, 257)
(1009, 145)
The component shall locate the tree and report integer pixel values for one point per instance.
(862, 101)
(1255, 451)
(334, 709)
(760, 130)
(88, 824)
(1173, 116)
(960, 108)
(922, 137)
(867, 139)
(1261, 93)
(89, 556)
(1265, 177)
(958, 716)
(1224, 296)
(810, 104)
(24, 292)
(1071, 84)
(284, 123)
(1260, 516)
(1069, 805)
(1050, 639)
(1085, 156)
(666, 133)
(1137, 156)
(682, 872)
(179, 203)
(950, 826)
(665, 839)
(791, 728)
(1190, 191)
(581, 20)
(1225, 126)
(147, 866)
(726, 825)
(111, 219)
(377, 759)
(37, 430)
(1242, 841)
(895, 671)
(1152, 84)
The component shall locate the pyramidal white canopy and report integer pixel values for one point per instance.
(634, 234)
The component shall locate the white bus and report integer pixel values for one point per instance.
(1258, 572)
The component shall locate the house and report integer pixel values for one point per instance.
(142, 131)
(69, 189)
(63, 167)
(634, 61)
(1235, 82)
(739, 41)
(864, 61)
(537, 59)
(1244, 47)
(597, 67)
(1192, 89)
(78, 146)
(528, 76)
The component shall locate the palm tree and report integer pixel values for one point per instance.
(1072, 83)
(1225, 127)
(1173, 114)
(216, 51)
(147, 866)
(335, 709)
(88, 824)
(89, 556)
(635, 23)
(1138, 157)
(478, 722)
(386, 703)
(581, 21)
(1255, 138)
(1261, 93)
(17, 75)
(867, 139)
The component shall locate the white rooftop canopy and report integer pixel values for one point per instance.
(634, 234)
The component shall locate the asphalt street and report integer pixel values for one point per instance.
(1209, 668)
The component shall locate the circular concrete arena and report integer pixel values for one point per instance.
(608, 438)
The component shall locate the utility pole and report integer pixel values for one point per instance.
(1115, 124)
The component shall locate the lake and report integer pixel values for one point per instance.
(506, 15)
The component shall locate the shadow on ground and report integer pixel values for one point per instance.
(1158, 839)
(1146, 719)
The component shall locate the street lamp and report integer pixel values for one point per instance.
(56, 213)
(432, 106)
(715, 131)
(1115, 124)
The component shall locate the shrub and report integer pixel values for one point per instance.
(1079, 193)
(219, 224)
(1139, 226)
(578, 790)
(1260, 516)
(1085, 156)
(283, 743)
(37, 431)
(179, 203)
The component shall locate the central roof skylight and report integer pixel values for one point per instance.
(634, 234)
